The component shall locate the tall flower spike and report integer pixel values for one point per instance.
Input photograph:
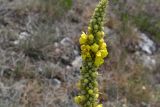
(93, 52)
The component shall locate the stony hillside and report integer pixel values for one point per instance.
(40, 55)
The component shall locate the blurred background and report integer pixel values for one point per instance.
(40, 55)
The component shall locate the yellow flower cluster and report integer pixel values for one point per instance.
(79, 99)
(93, 52)
(96, 51)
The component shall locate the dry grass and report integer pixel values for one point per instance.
(36, 60)
(52, 8)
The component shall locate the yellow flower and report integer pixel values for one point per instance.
(83, 38)
(99, 57)
(94, 47)
(102, 34)
(79, 99)
(98, 61)
(88, 47)
(101, 41)
(85, 48)
(97, 95)
(85, 54)
(104, 53)
(82, 98)
(98, 54)
(103, 46)
(99, 105)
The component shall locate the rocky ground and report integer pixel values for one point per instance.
(40, 56)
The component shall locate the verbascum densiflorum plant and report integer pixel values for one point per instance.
(93, 52)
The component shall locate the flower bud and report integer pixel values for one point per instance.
(90, 37)
(94, 20)
(95, 74)
(85, 80)
(79, 99)
(101, 41)
(96, 27)
(90, 91)
(89, 29)
(101, 9)
(94, 47)
(99, 19)
(83, 38)
(88, 104)
(100, 34)
(95, 84)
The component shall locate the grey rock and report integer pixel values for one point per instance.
(16, 42)
(146, 44)
(147, 60)
(23, 35)
(108, 30)
(65, 60)
(75, 52)
(66, 41)
(77, 62)
(56, 83)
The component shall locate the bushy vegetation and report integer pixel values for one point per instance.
(142, 19)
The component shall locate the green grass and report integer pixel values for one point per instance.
(147, 24)
(144, 23)
(138, 17)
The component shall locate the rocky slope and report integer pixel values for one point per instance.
(40, 59)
